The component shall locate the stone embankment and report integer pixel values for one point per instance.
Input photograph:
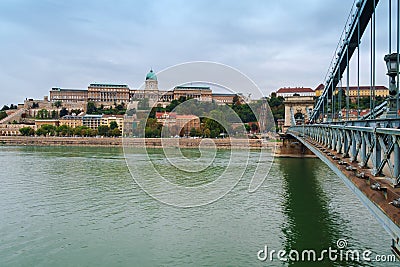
(134, 142)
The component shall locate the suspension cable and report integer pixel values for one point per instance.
(398, 41)
(358, 64)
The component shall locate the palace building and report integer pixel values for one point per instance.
(110, 94)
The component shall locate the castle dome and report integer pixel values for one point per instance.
(151, 76)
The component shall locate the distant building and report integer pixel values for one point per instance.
(40, 123)
(107, 119)
(295, 91)
(186, 122)
(108, 93)
(71, 121)
(92, 121)
(221, 98)
(68, 95)
(200, 93)
(13, 129)
(365, 91)
(178, 124)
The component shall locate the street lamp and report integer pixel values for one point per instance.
(392, 65)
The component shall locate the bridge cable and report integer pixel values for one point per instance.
(347, 80)
(398, 41)
(374, 61)
(340, 89)
(358, 64)
(371, 64)
(332, 103)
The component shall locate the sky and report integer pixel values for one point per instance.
(70, 44)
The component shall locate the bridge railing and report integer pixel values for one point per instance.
(374, 148)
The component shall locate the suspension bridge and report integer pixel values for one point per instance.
(364, 152)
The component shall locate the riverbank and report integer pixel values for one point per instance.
(280, 150)
(134, 142)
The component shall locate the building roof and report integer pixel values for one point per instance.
(67, 89)
(320, 87)
(192, 87)
(293, 90)
(108, 85)
(165, 115)
(88, 116)
(151, 76)
(71, 117)
(377, 87)
(113, 116)
(223, 94)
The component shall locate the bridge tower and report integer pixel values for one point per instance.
(297, 107)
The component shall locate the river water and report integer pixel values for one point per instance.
(63, 206)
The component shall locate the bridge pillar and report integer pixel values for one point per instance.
(297, 105)
(292, 148)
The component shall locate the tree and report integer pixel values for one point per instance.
(5, 107)
(43, 114)
(254, 127)
(13, 106)
(54, 114)
(27, 131)
(115, 132)
(113, 125)
(58, 104)
(3, 114)
(248, 128)
(103, 130)
(192, 132)
(91, 108)
(63, 112)
(207, 132)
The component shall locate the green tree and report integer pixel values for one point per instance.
(42, 114)
(5, 107)
(27, 131)
(58, 104)
(115, 132)
(113, 125)
(63, 112)
(207, 132)
(103, 130)
(3, 114)
(91, 108)
(254, 127)
(192, 132)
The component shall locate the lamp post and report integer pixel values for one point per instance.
(393, 69)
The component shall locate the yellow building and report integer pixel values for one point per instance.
(39, 123)
(71, 121)
(365, 91)
(107, 119)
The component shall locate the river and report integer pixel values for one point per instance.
(79, 206)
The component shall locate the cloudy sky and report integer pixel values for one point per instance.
(69, 44)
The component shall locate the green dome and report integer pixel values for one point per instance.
(151, 76)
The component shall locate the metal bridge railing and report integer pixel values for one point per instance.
(373, 147)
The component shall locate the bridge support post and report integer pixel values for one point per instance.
(363, 154)
(376, 156)
(396, 167)
(353, 147)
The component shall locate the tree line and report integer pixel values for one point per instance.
(64, 130)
